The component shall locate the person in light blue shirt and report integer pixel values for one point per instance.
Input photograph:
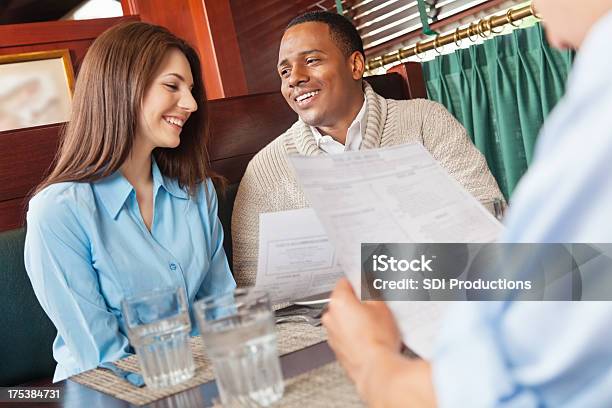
(129, 205)
(517, 354)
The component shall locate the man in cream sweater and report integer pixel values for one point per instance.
(321, 65)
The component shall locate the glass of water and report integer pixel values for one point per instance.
(240, 340)
(158, 327)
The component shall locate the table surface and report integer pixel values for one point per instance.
(75, 395)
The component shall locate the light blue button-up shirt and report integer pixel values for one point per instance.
(87, 248)
(547, 354)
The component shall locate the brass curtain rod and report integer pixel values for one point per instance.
(481, 28)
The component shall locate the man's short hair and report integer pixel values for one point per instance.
(342, 31)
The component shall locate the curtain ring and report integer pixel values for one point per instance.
(534, 12)
(435, 44)
(490, 20)
(469, 32)
(456, 38)
(481, 28)
(509, 18)
(417, 51)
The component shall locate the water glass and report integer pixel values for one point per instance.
(240, 340)
(158, 326)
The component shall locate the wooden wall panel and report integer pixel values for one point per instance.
(208, 25)
(56, 31)
(414, 83)
(241, 126)
(30, 161)
(237, 125)
(25, 159)
(226, 50)
(73, 35)
(259, 27)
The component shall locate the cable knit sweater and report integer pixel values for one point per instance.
(269, 185)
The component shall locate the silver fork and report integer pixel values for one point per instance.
(313, 321)
(313, 318)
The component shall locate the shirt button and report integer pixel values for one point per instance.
(172, 266)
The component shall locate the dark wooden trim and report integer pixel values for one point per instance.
(412, 72)
(129, 7)
(220, 22)
(209, 26)
(13, 35)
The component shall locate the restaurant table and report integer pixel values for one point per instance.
(75, 395)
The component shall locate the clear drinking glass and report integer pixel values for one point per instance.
(158, 327)
(240, 340)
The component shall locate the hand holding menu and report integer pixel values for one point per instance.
(397, 194)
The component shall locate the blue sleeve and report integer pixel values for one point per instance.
(469, 366)
(58, 262)
(219, 278)
(542, 354)
(546, 354)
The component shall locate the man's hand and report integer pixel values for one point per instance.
(367, 343)
(357, 331)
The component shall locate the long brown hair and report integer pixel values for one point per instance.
(113, 78)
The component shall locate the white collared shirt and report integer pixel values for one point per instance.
(354, 135)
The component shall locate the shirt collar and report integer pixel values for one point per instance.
(115, 189)
(170, 185)
(353, 137)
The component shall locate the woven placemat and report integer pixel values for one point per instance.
(324, 387)
(291, 337)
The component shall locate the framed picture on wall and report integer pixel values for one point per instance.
(35, 89)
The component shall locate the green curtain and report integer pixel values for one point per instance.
(501, 91)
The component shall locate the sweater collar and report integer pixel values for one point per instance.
(373, 122)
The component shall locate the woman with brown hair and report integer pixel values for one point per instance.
(129, 205)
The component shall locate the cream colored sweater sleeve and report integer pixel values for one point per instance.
(267, 186)
(448, 142)
(251, 200)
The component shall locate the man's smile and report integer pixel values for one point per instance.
(304, 99)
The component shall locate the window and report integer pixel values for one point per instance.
(385, 23)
